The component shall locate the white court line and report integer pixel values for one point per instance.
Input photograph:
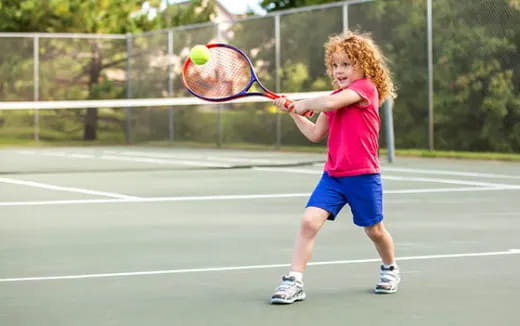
(151, 199)
(126, 158)
(290, 170)
(252, 267)
(388, 177)
(67, 189)
(465, 174)
(450, 181)
(164, 161)
(233, 197)
(198, 157)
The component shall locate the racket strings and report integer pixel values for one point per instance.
(225, 74)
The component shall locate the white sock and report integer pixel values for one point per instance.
(297, 275)
(388, 266)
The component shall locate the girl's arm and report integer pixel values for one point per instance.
(312, 131)
(327, 103)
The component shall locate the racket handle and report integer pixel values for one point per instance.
(307, 114)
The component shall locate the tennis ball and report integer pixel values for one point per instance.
(199, 54)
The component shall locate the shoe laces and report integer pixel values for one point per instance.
(389, 274)
(287, 283)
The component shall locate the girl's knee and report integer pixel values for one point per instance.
(312, 223)
(309, 225)
(376, 231)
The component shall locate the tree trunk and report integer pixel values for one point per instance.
(90, 128)
(91, 118)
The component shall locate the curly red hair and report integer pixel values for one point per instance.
(362, 50)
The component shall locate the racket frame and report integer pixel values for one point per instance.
(244, 92)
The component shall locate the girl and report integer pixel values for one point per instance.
(349, 116)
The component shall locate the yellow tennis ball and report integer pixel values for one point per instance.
(199, 54)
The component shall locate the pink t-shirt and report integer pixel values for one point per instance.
(353, 134)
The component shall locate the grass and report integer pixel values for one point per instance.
(459, 155)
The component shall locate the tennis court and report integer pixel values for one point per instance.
(156, 236)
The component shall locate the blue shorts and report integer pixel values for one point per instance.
(363, 193)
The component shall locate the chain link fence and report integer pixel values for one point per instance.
(463, 94)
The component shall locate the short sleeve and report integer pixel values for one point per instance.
(366, 89)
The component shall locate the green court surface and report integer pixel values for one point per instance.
(169, 236)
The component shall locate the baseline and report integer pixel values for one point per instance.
(236, 268)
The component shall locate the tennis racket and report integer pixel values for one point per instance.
(227, 75)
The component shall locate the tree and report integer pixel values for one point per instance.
(189, 12)
(85, 64)
(79, 16)
(476, 68)
(477, 83)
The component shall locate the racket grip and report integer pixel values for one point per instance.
(307, 114)
(288, 103)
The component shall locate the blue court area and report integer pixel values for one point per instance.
(156, 236)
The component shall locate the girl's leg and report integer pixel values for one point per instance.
(389, 277)
(382, 241)
(313, 220)
(291, 289)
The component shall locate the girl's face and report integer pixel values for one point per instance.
(343, 72)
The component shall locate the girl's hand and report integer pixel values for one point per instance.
(281, 103)
(299, 107)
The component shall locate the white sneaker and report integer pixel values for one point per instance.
(388, 280)
(289, 291)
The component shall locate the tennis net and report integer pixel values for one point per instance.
(122, 121)
(135, 134)
(119, 134)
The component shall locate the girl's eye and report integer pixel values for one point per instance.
(334, 65)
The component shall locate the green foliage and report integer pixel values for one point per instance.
(476, 64)
(75, 16)
(84, 70)
(477, 86)
(302, 53)
(81, 68)
(78, 68)
(60, 125)
(190, 12)
(476, 68)
(16, 70)
(399, 28)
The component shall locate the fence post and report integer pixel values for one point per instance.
(128, 87)
(171, 112)
(345, 16)
(389, 129)
(277, 79)
(36, 85)
(431, 145)
(220, 107)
